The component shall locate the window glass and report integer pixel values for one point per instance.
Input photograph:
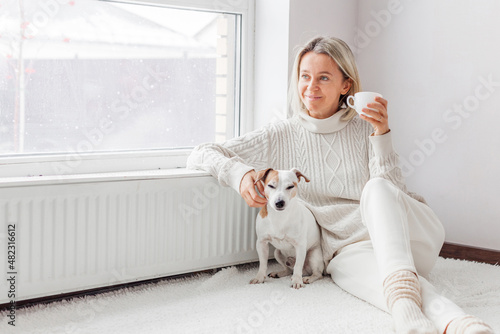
(95, 76)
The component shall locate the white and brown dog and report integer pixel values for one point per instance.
(290, 227)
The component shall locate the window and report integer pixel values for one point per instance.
(86, 77)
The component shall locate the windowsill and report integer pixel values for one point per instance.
(8, 182)
(68, 166)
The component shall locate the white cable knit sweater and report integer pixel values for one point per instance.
(338, 156)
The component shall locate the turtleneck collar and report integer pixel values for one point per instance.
(326, 125)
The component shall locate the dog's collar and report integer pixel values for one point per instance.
(327, 125)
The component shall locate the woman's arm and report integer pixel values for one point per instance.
(384, 161)
(235, 161)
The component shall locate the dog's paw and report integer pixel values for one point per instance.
(274, 274)
(310, 279)
(297, 282)
(298, 285)
(257, 280)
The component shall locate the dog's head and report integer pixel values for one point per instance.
(280, 186)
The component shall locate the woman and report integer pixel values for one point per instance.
(379, 241)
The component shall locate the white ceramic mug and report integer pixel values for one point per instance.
(360, 100)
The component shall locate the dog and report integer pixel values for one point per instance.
(290, 227)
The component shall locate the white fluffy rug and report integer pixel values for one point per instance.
(226, 303)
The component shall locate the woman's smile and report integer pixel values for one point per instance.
(312, 97)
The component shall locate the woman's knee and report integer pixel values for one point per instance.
(377, 191)
(377, 186)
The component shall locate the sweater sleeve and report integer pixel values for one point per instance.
(231, 160)
(384, 162)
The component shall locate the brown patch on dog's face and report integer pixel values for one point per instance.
(267, 176)
(272, 177)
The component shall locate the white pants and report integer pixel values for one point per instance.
(405, 235)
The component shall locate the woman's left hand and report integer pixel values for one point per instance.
(379, 118)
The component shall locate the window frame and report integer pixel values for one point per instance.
(119, 161)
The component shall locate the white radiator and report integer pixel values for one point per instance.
(84, 235)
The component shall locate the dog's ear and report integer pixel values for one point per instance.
(299, 174)
(261, 175)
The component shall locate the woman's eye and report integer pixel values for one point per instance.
(271, 186)
(324, 78)
(304, 76)
(290, 187)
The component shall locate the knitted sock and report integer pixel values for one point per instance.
(404, 300)
(468, 324)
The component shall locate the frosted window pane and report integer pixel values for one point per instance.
(93, 76)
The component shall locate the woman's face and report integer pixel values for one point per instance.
(320, 84)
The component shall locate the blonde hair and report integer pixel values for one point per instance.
(340, 52)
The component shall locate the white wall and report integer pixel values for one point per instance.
(426, 57)
(271, 54)
(281, 26)
(321, 17)
(430, 60)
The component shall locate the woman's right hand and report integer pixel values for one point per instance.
(248, 192)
